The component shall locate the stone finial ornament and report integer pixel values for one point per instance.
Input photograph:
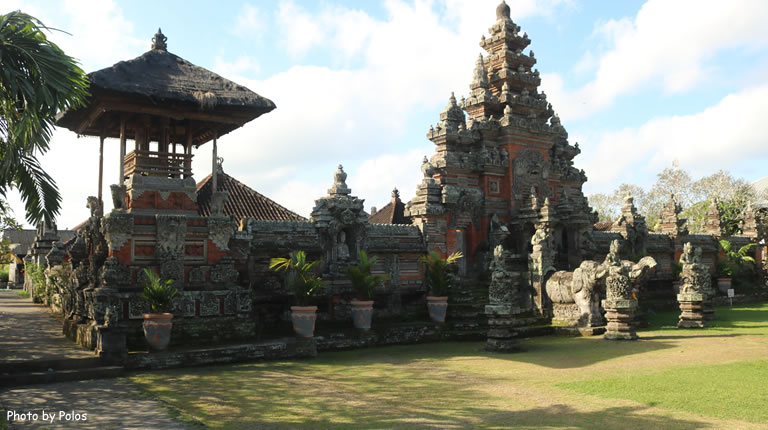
(339, 183)
(395, 193)
(502, 11)
(158, 41)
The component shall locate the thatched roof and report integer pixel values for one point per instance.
(159, 82)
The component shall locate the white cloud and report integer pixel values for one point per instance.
(723, 136)
(250, 22)
(242, 66)
(669, 43)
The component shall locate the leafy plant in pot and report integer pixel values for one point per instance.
(304, 283)
(736, 263)
(364, 282)
(159, 296)
(439, 281)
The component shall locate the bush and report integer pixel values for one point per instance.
(157, 293)
(4, 273)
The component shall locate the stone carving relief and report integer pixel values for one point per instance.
(171, 233)
(220, 231)
(531, 172)
(117, 229)
(118, 197)
(114, 273)
(224, 272)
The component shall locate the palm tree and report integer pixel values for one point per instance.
(37, 80)
(436, 275)
(304, 281)
(737, 259)
(360, 275)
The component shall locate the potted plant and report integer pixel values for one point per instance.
(304, 283)
(159, 296)
(364, 282)
(734, 264)
(438, 281)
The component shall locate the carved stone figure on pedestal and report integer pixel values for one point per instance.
(695, 290)
(505, 304)
(620, 302)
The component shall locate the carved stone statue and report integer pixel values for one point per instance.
(695, 290)
(575, 295)
(503, 288)
(95, 206)
(118, 196)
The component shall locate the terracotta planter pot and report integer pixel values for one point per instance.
(437, 307)
(303, 318)
(157, 330)
(724, 284)
(362, 313)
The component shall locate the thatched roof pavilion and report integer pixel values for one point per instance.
(163, 102)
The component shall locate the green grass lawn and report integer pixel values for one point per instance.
(710, 378)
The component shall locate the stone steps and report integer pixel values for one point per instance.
(62, 375)
(49, 365)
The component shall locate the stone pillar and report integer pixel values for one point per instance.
(111, 345)
(691, 310)
(502, 332)
(620, 314)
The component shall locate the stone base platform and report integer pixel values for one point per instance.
(579, 331)
(692, 314)
(620, 315)
(188, 357)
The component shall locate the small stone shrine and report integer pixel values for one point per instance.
(695, 290)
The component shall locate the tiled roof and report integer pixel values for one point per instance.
(603, 225)
(392, 213)
(243, 202)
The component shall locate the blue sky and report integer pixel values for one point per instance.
(637, 83)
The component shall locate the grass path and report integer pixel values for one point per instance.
(712, 378)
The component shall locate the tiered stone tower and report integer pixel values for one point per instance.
(502, 151)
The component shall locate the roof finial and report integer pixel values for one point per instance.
(502, 11)
(158, 42)
(395, 194)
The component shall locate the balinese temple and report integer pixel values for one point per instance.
(502, 159)
(163, 109)
(501, 151)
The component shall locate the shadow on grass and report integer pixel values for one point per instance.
(386, 397)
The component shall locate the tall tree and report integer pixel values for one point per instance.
(37, 80)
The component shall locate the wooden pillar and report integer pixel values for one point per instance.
(187, 148)
(213, 162)
(121, 178)
(101, 170)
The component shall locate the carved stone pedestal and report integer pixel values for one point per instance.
(619, 314)
(111, 345)
(502, 334)
(691, 310)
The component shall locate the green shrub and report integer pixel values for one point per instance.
(157, 293)
(360, 275)
(300, 274)
(22, 294)
(437, 278)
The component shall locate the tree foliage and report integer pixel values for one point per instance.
(37, 80)
(694, 197)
